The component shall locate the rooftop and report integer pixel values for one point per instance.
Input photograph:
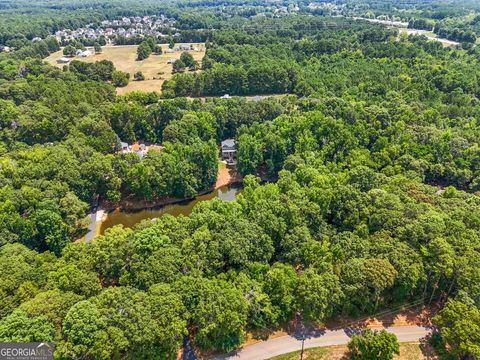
(229, 143)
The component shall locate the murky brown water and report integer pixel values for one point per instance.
(129, 219)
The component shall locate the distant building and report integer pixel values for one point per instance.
(124, 146)
(183, 47)
(140, 149)
(85, 53)
(63, 60)
(226, 96)
(229, 151)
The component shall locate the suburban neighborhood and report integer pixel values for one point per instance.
(127, 27)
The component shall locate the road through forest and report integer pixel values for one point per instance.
(285, 344)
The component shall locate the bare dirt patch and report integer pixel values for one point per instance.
(418, 315)
(226, 175)
(155, 67)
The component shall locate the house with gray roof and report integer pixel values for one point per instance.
(229, 151)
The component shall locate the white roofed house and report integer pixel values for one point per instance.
(183, 47)
(63, 60)
(229, 151)
(124, 147)
(85, 53)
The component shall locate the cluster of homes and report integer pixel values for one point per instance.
(137, 148)
(79, 52)
(284, 10)
(228, 150)
(329, 7)
(126, 27)
(181, 47)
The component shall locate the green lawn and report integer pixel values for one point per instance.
(312, 353)
(408, 351)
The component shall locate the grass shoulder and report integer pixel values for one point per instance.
(408, 351)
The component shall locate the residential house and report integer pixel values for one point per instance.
(229, 151)
(63, 60)
(124, 147)
(85, 53)
(183, 47)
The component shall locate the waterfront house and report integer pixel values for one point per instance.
(229, 151)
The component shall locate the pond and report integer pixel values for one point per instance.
(130, 218)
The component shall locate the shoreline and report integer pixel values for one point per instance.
(226, 177)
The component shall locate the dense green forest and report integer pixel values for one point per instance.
(368, 197)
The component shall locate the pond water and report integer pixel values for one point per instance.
(130, 218)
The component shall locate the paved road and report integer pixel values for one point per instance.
(286, 344)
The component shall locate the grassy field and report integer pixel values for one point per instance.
(408, 351)
(155, 68)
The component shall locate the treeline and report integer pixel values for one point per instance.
(36, 49)
(421, 24)
(268, 78)
(247, 64)
(132, 121)
(250, 66)
(456, 34)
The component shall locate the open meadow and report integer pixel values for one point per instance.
(124, 57)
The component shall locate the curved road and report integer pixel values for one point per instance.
(286, 344)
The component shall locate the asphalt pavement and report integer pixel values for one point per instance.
(285, 344)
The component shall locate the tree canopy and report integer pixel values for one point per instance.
(358, 148)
